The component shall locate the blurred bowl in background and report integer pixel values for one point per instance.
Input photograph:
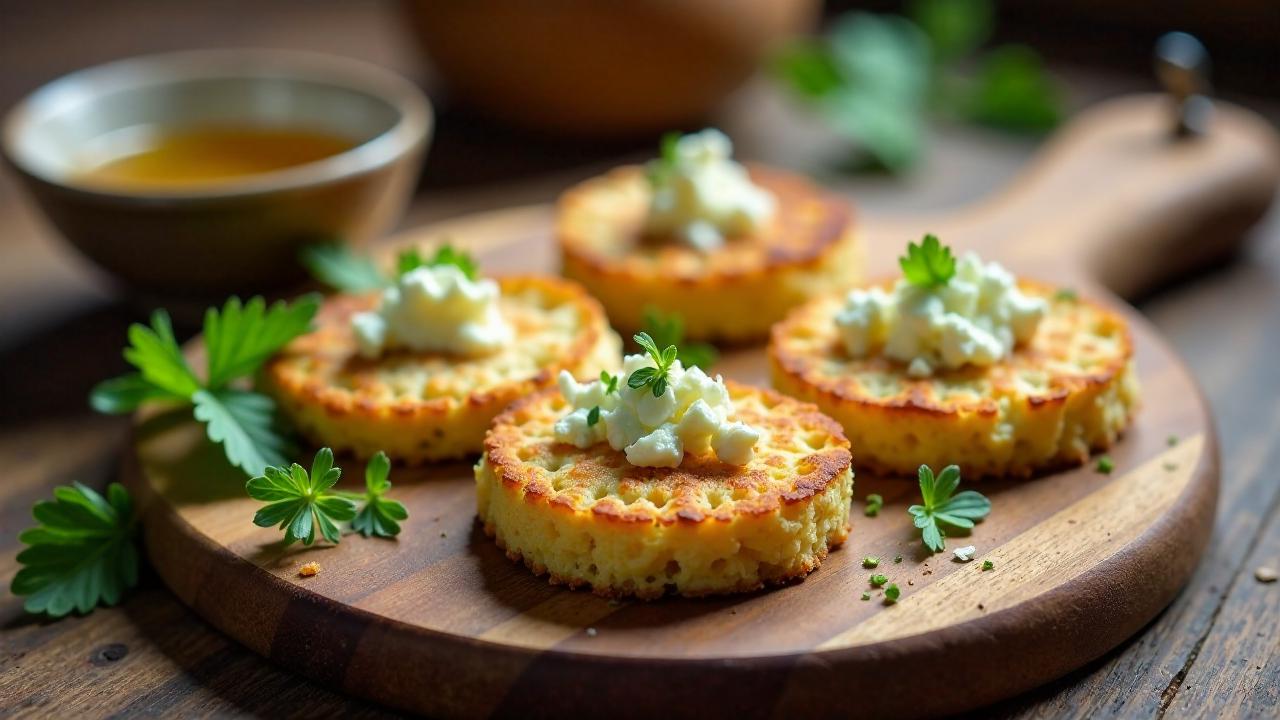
(601, 69)
(239, 234)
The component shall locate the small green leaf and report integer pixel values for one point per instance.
(659, 385)
(1105, 464)
(668, 329)
(875, 503)
(1013, 91)
(593, 416)
(808, 68)
(646, 343)
(338, 267)
(641, 377)
(870, 562)
(239, 338)
(81, 554)
(987, 565)
(125, 393)
(877, 580)
(379, 516)
(891, 594)
(300, 503)
(610, 382)
(928, 265)
(866, 596)
(155, 352)
(242, 422)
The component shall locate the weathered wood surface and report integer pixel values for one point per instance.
(1212, 652)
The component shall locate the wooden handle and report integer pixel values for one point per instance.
(1115, 198)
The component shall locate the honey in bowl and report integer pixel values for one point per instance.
(206, 156)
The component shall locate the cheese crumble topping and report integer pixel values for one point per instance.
(434, 308)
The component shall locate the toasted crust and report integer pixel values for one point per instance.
(430, 406)
(1068, 392)
(590, 519)
(734, 293)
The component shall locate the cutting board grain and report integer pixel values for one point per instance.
(440, 622)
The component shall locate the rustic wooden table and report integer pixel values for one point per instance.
(1214, 652)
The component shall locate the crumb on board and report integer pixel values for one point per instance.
(592, 632)
(1265, 574)
(311, 569)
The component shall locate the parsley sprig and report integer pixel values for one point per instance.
(342, 269)
(942, 505)
(379, 515)
(654, 378)
(928, 265)
(659, 170)
(81, 553)
(668, 329)
(300, 502)
(238, 338)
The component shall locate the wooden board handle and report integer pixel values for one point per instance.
(1116, 198)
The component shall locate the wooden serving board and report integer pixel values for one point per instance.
(440, 622)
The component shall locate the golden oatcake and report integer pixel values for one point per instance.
(420, 406)
(1069, 391)
(733, 293)
(588, 518)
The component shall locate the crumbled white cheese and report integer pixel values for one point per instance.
(706, 196)
(693, 415)
(965, 554)
(977, 318)
(436, 308)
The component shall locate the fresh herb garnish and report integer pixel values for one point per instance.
(987, 565)
(342, 269)
(942, 505)
(659, 170)
(877, 580)
(346, 271)
(897, 559)
(870, 562)
(299, 501)
(866, 596)
(237, 339)
(891, 594)
(876, 78)
(1066, 294)
(81, 553)
(654, 378)
(412, 259)
(1105, 464)
(874, 504)
(610, 382)
(378, 515)
(593, 416)
(928, 265)
(668, 329)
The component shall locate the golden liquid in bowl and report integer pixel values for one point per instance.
(206, 156)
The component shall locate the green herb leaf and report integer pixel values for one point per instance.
(342, 269)
(1105, 464)
(646, 343)
(955, 28)
(239, 338)
(929, 264)
(668, 329)
(877, 580)
(1065, 294)
(1014, 92)
(125, 393)
(870, 562)
(593, 416)
(891, 594)
(610, 382)
(243, 423)
(653, 377)
(808, 68)
(412, 259)
(987, 565)
(641, 377)
(378, 515)
(874, 504)
(866, 596)
(942, 505)
(81, 553)
(300, 502)
(156, 354)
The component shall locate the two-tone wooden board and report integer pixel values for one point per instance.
(440, 622)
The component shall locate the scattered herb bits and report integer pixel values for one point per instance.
(1065, 294)
(897, 559)
(866, 596)
(877, 580)
(929, 264)
(1105, 464)
(987, 565)
(870, 562)
(891, 594)
(874, 504)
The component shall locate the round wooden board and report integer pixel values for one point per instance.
(441, 622)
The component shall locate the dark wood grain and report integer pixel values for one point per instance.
(61, 330)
